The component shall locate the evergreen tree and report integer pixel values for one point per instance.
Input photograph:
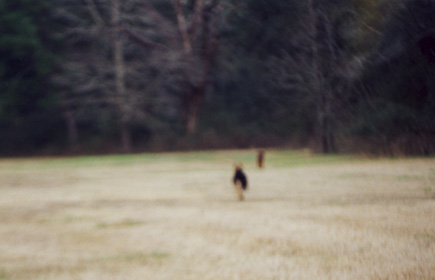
(26, 60)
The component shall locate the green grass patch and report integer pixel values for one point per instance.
(273, 158)
(65, 220)
(139, 257)
(158, 255)
(406, 177)
(122, 224)
(288, 158)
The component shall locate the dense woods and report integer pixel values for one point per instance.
(96, 76)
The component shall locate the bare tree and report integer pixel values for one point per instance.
(322, 82)
(104, 69)
(124, 107)
(317, 68)
(188, 49)
(199, 39)
(114, 44)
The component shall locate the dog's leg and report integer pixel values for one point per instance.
(239, 190)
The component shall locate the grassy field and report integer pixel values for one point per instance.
(175, 216)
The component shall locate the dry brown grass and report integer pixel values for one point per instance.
(176, 216)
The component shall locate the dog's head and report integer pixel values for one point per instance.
(238, 167)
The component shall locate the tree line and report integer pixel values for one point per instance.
(133, 75)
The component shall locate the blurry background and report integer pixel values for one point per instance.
(100, 76)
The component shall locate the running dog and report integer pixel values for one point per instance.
(240, 181)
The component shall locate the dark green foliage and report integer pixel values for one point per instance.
(246, 101)
(26, 60)
(400, 99)
(264, 27)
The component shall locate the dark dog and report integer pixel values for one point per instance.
(240, 181)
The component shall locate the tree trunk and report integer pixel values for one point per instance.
(192, 106)
(195, 91)
(320, 88)
(327, 138)
(125, 138)
(119, 67)
(71, 126)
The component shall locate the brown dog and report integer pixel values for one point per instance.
(260, 158)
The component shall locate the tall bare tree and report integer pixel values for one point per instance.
(104, 69)
(188, 47)
(115, 43)
(317, 65)
(122, 103)
(199, 40)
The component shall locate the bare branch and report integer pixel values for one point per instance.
(182, 26)
(211, 5)
(90, 4)
(139, 39)
(196, 17)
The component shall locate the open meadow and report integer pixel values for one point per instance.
(176, 216)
